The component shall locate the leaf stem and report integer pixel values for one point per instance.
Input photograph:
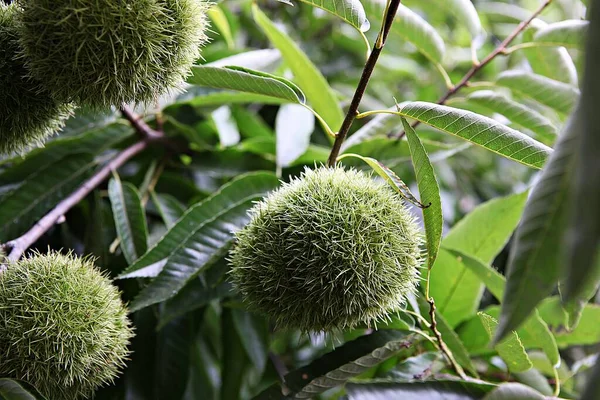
(18, 246)
(478, 66)
(388, 20)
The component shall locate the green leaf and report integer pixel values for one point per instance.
(465, 12)
(219, 20)
(193, 296)
(318, 92)
(480, 130)
(169, 208)
(559, 96)
(347, 361)
(351, 11)
(40, 192)
(583, 235)
(535, 328)
(11, 389)
(511, 349)
(482, 234)
(535, 261)
(234, 360)
(215, 98)
(130, 219)
(201, 235)
(389, 176)
(586, 332)
(554, 62)
(569, 33)
(521, 115)
(429, 192)
(417, 31)
(430, 390)
(514, 391)
(261, 60)
(253, 331)
(246, 80)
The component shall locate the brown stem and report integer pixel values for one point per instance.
(477, 67)
(442, 345)
(19, 245)
(364, 80)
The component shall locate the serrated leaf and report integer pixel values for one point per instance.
(480, 130)
(535, 263)
(511, 349)
(559, 96)
(514, 391)
(521, 115)
(351, 11)
(11, 389)
(429, 192)
(42, 190)
(246, 80)
(389, 176)
(569, 33)
(430, 390)
(554, 62)
(420, 33)
(309, 78)
(130, 219)
(347, 361)
(202, 234)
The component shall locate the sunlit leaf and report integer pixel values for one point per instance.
(351, 11)
(417, 31)
(569, 33)
(480, 130)
(511, 349)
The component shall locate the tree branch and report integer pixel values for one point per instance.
(18, 246)
(497, 51)
(388, 20)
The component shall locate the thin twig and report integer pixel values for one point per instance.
(19, 245)
(477, 67)
(442, 345)
(388, 20)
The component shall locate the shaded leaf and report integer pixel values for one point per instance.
(380, 125)
(480, 130)
(246, 80)
(557, 95)
(521, 115)
(130, 219)
(511, 349)
(198, 238)
(429, 192)
(430, 390)
(253, 331)
(514, 391)
(169, 208)
(465, 12)
(318, 92)
(11, 389)
(534, 263)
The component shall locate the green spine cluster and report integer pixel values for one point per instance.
(328, 251)
(109, 52)
(63, 326)
(28, 112)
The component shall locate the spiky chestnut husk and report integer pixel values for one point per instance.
(28, 113)
(328, 251)
(63, 326)
(109, 52)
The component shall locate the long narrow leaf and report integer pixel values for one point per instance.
(569, 33)
(417, 31)
(429, 191)
(351, 11)
(480, 130)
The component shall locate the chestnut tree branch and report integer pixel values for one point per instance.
(388, 20)
(497, 51)
(15, 248)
